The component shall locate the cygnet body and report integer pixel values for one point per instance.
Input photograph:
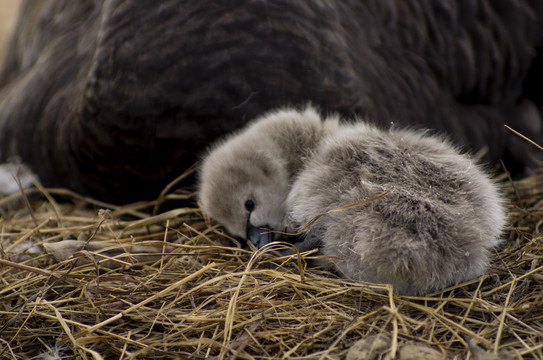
(435, 225)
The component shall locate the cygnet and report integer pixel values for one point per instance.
(434, 225)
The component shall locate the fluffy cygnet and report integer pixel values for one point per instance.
(433, 228)
(245, 180)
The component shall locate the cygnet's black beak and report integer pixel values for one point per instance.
(260, 236)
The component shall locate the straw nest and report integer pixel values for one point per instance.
(172, 284)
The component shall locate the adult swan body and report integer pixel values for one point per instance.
(114, 98)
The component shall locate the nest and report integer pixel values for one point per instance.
(172, 284)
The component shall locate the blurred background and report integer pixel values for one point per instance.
(8, 14)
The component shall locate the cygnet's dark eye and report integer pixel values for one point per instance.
(249, 205)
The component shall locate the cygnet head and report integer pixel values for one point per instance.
(245, 180)
(244, 185)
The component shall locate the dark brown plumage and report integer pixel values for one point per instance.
(114, 98)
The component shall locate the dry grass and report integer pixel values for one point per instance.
(205, 296)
